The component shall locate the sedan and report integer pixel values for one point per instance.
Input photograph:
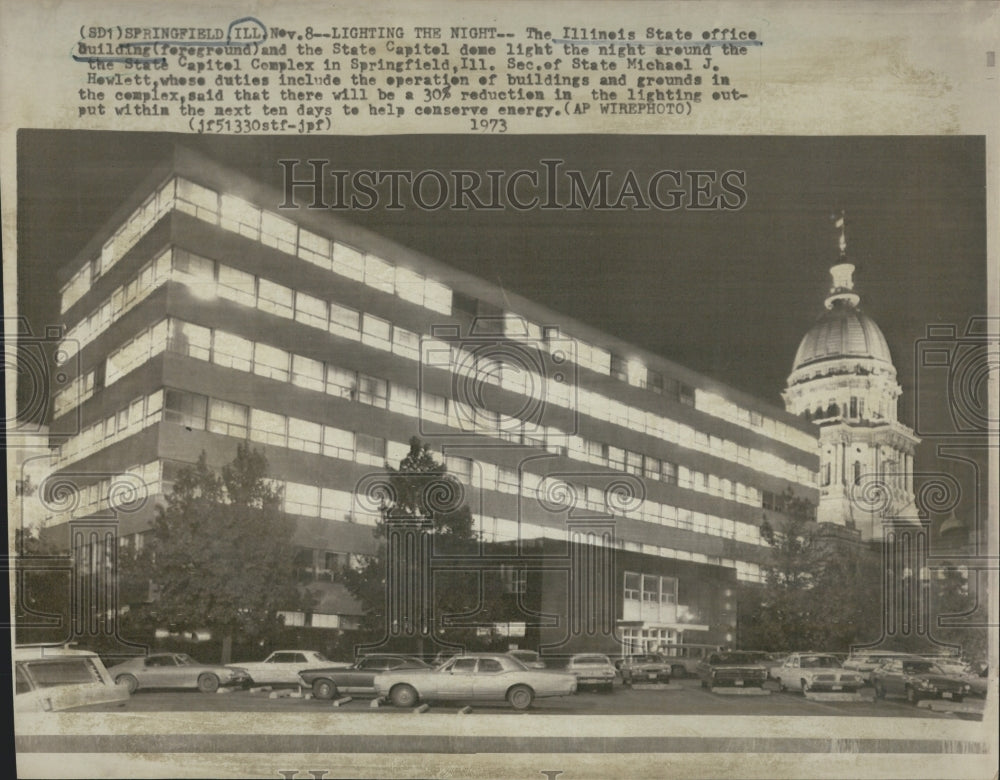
(736, 669)
(917, 680)
(175, 670)
(474, 677)
(651, 667)
(592, 669)
(282, 667)
(816, 672)
(358, 679)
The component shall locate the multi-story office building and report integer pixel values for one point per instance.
(624, 488)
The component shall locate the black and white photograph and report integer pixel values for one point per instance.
(459, 396)
(572, 426)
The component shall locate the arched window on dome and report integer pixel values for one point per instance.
(857, 472)
(833, 410)
(826, 474)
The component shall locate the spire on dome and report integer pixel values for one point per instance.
(841, 225)
(842, 289)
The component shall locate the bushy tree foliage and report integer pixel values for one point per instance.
(221, 555)
(821, 591)
(422, 488)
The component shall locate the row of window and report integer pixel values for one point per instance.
(650, 588)
(199, 412)
(156, 477)
(237, 215)
(233, 351)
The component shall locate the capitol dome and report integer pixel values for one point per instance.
(843, 330)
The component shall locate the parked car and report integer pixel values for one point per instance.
(977, 675)
(282, 667)
(592, 669)
(684, 658)
(474, 677)
(816, 672)
(51, 679)
(867, 661)
(735, 668)
(358, 679)
(529, 658)
(651, 667)
(176, 670)
(917, 679)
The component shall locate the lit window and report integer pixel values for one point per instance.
(618, 367)
(314, 248)
(188, 339)
(187, 409)
(410, 286)
(227, 418)
(197, 201)
(344, 321)
(311, 311)
(404, 400)
(348, 261)
(270, 362)
(307, 373)
(232, 351)
(650, 588)
(379, 274)
(278, 232)
(633, 463)
(302, 499)
(304, 435)
(340, 382)
(405, 343)
(434, 407)
(275, 299)
(268, 428)
(236, 285)
(338, 443)
(460, 467)
(370, 449)
(240, 217)
(372, 391)
(632, 586)
(437, 297)
(376, 332)
(193, 270)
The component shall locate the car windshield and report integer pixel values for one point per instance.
(590, 660)
(819, 661)
(64, 671)
(734, 658)
(921, 667)
(517, 662)
(524, 655)
(183, 659)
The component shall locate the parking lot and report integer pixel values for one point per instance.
(680, 697)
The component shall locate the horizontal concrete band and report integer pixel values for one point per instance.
(396, 743)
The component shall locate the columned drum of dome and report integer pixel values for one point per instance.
(844, 381)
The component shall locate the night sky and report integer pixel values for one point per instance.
(727, 293)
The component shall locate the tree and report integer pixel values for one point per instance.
(821, 590)
(221, 555)
(422, 488)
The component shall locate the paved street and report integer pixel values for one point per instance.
(680, 697)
